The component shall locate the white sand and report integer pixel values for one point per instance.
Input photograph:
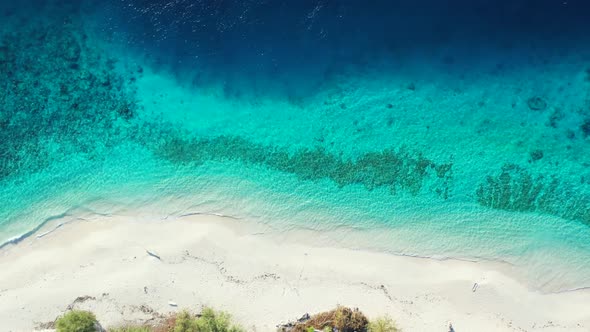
(261, 277)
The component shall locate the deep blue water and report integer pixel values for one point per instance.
(308, 41)
(434, 128)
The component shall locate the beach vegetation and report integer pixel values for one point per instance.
(383, 324)
(185, 322)
(342, 319)
(350, 320)
(131, 329)
(208, 321)
(77, 321)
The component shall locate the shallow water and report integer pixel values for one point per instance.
(456, 131)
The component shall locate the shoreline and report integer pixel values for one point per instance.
(216, 261)
(74, 215)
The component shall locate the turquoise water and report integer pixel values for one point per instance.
(453, 149)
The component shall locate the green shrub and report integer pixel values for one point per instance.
(212, 321)
(77, 321)
(131, 329)
(185, 323)
(209, 321)
(383, 324)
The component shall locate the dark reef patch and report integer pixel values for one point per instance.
(555, 118)
(516, 189)
(536, 155)
(397, 169)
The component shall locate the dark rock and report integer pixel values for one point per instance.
(98, 327)
(536, 103)
(304, 318)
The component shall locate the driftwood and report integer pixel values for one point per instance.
(153, 254)
(80, 299)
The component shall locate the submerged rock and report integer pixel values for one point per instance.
(536, 103)
(585, 127)
(536, 155)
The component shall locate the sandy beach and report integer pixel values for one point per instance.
(261, 277)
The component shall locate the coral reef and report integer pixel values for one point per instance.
(63, 97)
(55, 90)
(516, 189)
(396, 169)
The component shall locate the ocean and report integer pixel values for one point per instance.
(443, 129)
